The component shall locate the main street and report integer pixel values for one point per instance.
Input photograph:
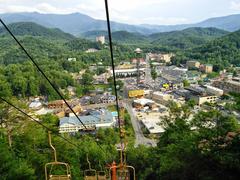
(139, 136)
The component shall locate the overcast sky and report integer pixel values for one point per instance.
(131, 11)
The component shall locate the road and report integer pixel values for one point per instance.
(140, 138)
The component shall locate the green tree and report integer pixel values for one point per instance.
(154, 73)
(186, 83)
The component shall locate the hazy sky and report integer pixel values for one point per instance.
(131, 11)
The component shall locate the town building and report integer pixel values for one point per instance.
(96, 119)
(125, 65)
(35, 104)
(200, 95)
(162, 98)
(206, 68)
(172, 73)
(142, 62)
(161, 58)
(127, 72)
(56, 104)
(192, 77)
(141, 103)
(91, 50)
(152, 121)
(71, 90)
(72, 59)
(193, 64)
(102, 78)
(199, 100)
(77, 109)
(100, 39)
(60, 109)
(213, 90)
(108, 99)
(228, 85)
(136, 93)
(153, 127)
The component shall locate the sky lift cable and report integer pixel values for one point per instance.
(17, 108)
(56, 90)
(113, 65)
(47, 128)
(122, 137)
(45, 76)
(41, 71)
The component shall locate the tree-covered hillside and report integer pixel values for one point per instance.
(221, 52)
(33, 29)
(187, 38)
(129, 38)
(224, 51)
(209, 151)
(176, 39)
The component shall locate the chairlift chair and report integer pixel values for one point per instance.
(101, 175)
(122, 172)
(90, 174)
(49, 175)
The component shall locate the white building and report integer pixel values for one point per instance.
(91, 50)
(142, 102)
(100, 39)
(213, 90)
(153, 127)
(127, 72)
(72, 59)
(165, 58)
(162, 98)
(96, 119)
(35, 104)
(152, 121)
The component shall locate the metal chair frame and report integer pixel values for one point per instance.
(90, 171)
(49, 175)
(123, 167)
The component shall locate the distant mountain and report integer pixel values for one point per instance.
(33, 29)
(186, 38)
(75, 23)
(229, 23)
(78, 23)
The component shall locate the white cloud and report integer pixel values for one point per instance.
(121, 11)
(125, 11)
(13, 8)
(235, 5)
(47, 8)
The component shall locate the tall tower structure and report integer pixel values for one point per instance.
(138, 52)
(100, 39)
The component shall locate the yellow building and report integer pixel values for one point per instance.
(193, 64)
(206, 68)
(135, 93)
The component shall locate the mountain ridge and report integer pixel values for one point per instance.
(77, 23)
(34, 29)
